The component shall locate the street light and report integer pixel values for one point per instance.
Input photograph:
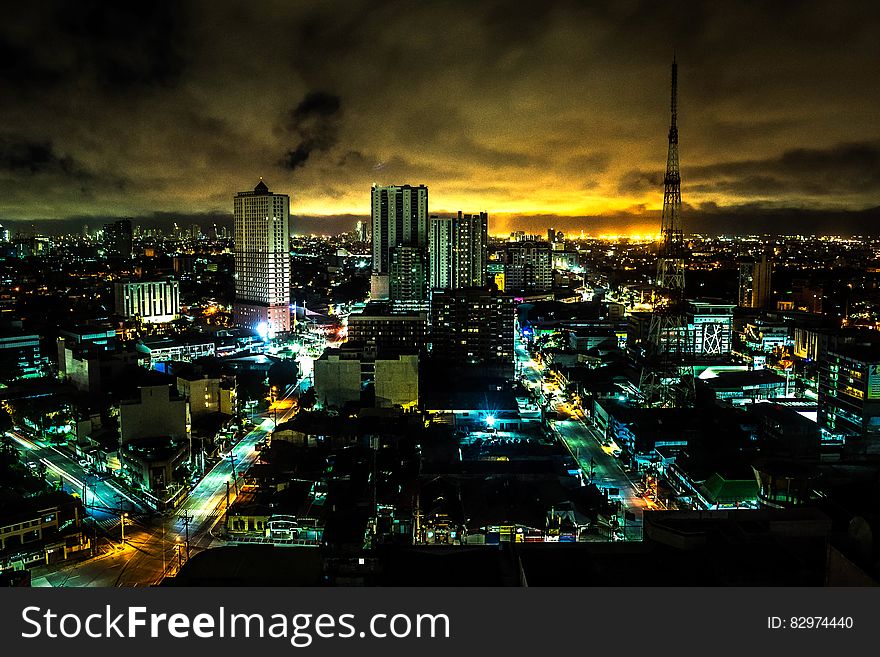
(122, 518)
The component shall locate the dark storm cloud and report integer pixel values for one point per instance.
(637, 181)
(556, 108)
(24, 157)
(117, 47)
(843, 169)
(315, 123)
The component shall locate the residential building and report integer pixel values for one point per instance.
(203, 393)
(92, 368)
(473, 326)
(408, 277)
(118, 239)
(399, 219)
(529, 266)
(388, 331)
(262, 260)
(41, 530)
(458, 248)
(342, 375)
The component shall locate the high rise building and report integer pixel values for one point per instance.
(529, 266)
(849, 396)
(118, 238)
(473, 326)
(458, 250)
(399, 219)
(440, 252)
(378, 326)
(360, 231)
(154, 302)
(754, 283)
(470, 250)
(262, 260)
(408, 277)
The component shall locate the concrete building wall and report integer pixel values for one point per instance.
(397, 382)
(203, 395)
(156, 414)
(337, 381)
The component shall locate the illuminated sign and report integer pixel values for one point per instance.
(874, 382)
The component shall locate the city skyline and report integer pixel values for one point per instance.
(549, 118)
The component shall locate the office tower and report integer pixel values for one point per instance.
(20, 356)
(399, 219)
(754, 283)
(262, 260)
(529, 266)
(154, 302)
(118, 238)
(458, 250)
(709, 328)
(849, 395)
(473, 326)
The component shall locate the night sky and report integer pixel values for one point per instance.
(541, 113)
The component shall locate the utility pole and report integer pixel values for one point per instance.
(122, 517)
(186, 520)
(234, 476)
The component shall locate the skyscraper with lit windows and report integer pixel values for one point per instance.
(262, 260)
(400, 243)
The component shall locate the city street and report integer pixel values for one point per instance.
(154, 548)
(585, 444)
(102, 497)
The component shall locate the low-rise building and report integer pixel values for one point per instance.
(43, 529)
(181, 348)
(739, 387)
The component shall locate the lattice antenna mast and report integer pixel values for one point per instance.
(670, 262)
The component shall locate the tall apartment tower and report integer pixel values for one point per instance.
(399, 220)
(118, 238)
(262, 260)
(529, 266)
(754, 283)
(440, 252)
(458, 251)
